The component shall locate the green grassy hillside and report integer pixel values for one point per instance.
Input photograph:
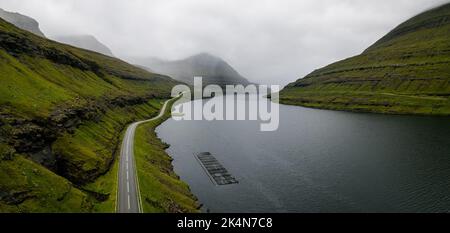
(405, 72)
(162, 190)
(62, 113)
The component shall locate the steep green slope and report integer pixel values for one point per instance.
(161, 189)
(62, 112)
(405, 72)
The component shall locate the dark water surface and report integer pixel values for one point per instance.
(318, 161)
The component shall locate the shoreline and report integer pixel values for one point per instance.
(161, 188)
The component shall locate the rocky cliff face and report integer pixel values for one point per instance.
(22, 21)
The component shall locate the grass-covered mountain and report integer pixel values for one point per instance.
(62, 113)
(406, 72)
(214, 70)
(86, 42)
(22, 21)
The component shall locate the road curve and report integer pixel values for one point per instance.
(128, 195)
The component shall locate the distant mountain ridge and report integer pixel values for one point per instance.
(214, 70)
(88, 42)
(22, 22)
(405, 72)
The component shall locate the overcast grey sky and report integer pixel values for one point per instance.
(267, 41)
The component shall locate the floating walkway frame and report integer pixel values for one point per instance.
(216, 172)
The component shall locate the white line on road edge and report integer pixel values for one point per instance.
(127, 138)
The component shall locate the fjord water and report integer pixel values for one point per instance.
(318, 161)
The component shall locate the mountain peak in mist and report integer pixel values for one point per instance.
(22, 21)
(204, 56)
(88, 42)
(213, 69)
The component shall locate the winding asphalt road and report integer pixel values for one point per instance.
(128, 195)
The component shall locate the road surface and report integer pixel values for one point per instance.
(128, 195)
